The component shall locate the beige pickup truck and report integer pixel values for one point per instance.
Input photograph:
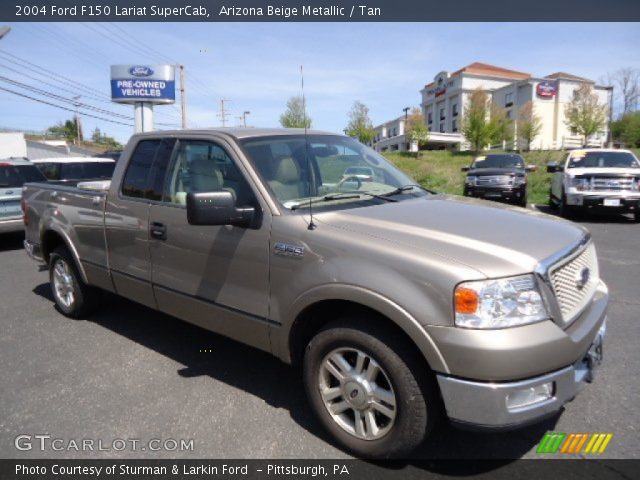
(399, 305)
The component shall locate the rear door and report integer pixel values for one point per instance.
(213, 276)
(127, 219)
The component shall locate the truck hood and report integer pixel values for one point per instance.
(603, 171)
(494, 239)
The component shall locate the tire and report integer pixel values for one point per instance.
(552, 203)
(636, 217)
(523, 201)
(565, 210)
(73, 297)
(406, 421)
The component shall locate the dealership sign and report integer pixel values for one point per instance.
(547, 89)
(143, 83)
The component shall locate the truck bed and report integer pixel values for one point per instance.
(75, 214)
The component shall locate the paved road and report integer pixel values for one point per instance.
(132, 373)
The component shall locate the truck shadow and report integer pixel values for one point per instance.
(596, 216)
(11, 241)
(262, 375)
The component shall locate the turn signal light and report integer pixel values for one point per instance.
(466, 300)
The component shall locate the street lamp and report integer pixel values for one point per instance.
(244, 117)
(406, 112)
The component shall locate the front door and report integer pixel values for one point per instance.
(214, 276)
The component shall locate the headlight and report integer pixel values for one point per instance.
(471, 180)
(580, 183)
(519, 180)
(499, 303)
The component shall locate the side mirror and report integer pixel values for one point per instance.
(554, 167)
(464, 169)
(531, 168)
(217, 208)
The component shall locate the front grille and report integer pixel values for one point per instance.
(611, 184)
(494, 180)
(566, 280)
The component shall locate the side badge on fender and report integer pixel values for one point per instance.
(288, 250)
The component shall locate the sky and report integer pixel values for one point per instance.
(256, 66)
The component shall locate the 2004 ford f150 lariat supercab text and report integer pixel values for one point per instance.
(399, 305)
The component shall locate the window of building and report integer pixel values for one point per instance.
(454, 125)
(454, 110)
(442, 114)
(508, 100)
(442, 128)
(430, 118)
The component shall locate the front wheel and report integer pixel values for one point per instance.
(73, 297)
(374, 399)
(636, 217)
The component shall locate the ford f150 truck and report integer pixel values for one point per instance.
(399, 305)
(596, 179)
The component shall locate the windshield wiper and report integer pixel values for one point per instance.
(341, 196)
(406, 188)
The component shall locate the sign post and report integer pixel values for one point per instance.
(143, 86)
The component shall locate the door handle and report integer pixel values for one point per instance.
(158, 230)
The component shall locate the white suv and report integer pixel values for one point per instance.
(596, 178)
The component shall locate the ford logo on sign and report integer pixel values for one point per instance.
(140, 71)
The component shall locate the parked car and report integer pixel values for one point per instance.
(498, 176)
(14, 173)
(400, 306)
(596, 179)
(113, 154)
(76, 169)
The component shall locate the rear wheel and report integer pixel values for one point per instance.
(73, 297)
(374, 399)
(563, 209)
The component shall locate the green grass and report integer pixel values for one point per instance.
(440, 170)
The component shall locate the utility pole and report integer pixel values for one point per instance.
(223, 113)
(77, 104)
(183, 97)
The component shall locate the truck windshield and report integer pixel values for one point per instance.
(14, 176)
(498, 161)
(87, 171)
(324, 167)
(603, 159)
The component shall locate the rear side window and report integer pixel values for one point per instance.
(50, 170)
(14, 176)
(147, 168)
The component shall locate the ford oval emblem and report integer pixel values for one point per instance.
(582, 278)
(140, 71)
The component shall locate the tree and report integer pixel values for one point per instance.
(528, 124)
(626, 84)
(499, 126)
(627, 129)
(415, 129)
(360, 125)
(295, 115)
(475, 125)
(67, 130)
(96, 136)
(584, 114)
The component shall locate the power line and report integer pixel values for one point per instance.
(64, 108)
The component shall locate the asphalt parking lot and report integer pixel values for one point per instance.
(131, 373)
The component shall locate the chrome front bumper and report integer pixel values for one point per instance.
(485, 404)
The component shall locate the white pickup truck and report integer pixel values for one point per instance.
(596, 179)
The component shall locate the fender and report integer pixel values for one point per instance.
(53, 227)
(367, 298)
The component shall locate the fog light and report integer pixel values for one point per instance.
(530, 396)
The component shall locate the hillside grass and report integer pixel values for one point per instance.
(439, 170)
